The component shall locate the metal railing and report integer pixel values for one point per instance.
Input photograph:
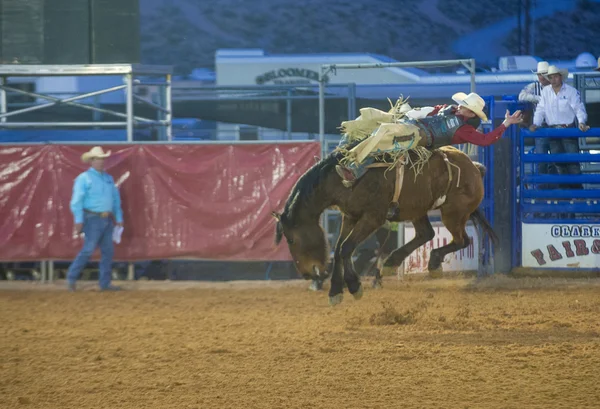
(133, 75)
(546, 206)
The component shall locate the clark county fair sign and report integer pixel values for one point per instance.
(561, 245)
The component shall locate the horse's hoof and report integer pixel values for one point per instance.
(335, 299)
(436, 272)
(315, 286)
(358, 294)
(388, 271)
(393, 213)
(377, 284)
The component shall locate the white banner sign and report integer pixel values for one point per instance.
(302, 69)
(466, 259)
(561, 245)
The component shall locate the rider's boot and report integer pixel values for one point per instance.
(353, 171)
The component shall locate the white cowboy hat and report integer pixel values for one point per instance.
(472, 102)
(95, 152)
(542, 67)
(598, 67)
(553, 69)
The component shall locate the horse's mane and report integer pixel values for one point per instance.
(306, 185)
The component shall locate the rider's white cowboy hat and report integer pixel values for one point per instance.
(472, 102)
(542, 67)
(95, 152)
(553, 69)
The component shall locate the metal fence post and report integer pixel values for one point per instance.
(129, 106)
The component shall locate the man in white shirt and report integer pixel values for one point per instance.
(560, 105)
(532, 93)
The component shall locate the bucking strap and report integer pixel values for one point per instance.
(448, 164)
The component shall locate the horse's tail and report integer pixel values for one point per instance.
(477, 217)
(479, 220)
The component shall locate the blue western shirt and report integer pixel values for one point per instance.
(95, 191)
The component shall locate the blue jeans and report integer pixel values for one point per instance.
(566, 145)
(359, 169)
(542, 146)
(98, 233)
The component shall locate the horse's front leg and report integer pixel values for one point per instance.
(361, 231)
(337, 282)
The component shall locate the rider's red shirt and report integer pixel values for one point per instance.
(468, 134)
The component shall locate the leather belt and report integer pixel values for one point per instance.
(571, 125)
(101, 214)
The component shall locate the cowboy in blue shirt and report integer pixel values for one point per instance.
(96, 207)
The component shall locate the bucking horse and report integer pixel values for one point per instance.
(448, 180)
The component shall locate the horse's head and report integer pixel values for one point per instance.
(307, 245)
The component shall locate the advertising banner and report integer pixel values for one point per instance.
(466, 259)
(192, 201)
(561, 245)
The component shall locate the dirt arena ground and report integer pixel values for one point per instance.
(449, 343)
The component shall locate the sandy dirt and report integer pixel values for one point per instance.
(450, 343)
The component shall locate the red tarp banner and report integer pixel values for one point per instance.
(209, 202)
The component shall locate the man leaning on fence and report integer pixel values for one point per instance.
(96, 207)
(532, 94)
(560, 106)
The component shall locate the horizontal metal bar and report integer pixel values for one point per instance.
(107, 143)
(594, 178)
(559, 132)
(551, 194)
(559, 208)
(192, 97)
(138, 83)
(151, 122)
(184, 97)
(73, 98)
(144, 122)
(411, 64)
(560, 157)
(59, 124)
(33, 70)
(550, 218)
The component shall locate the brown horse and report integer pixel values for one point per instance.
(364, 209)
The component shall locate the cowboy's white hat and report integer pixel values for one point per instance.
(598, 67)
(553, 69)
(472, 102)
(542, 67)
(95, 152)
